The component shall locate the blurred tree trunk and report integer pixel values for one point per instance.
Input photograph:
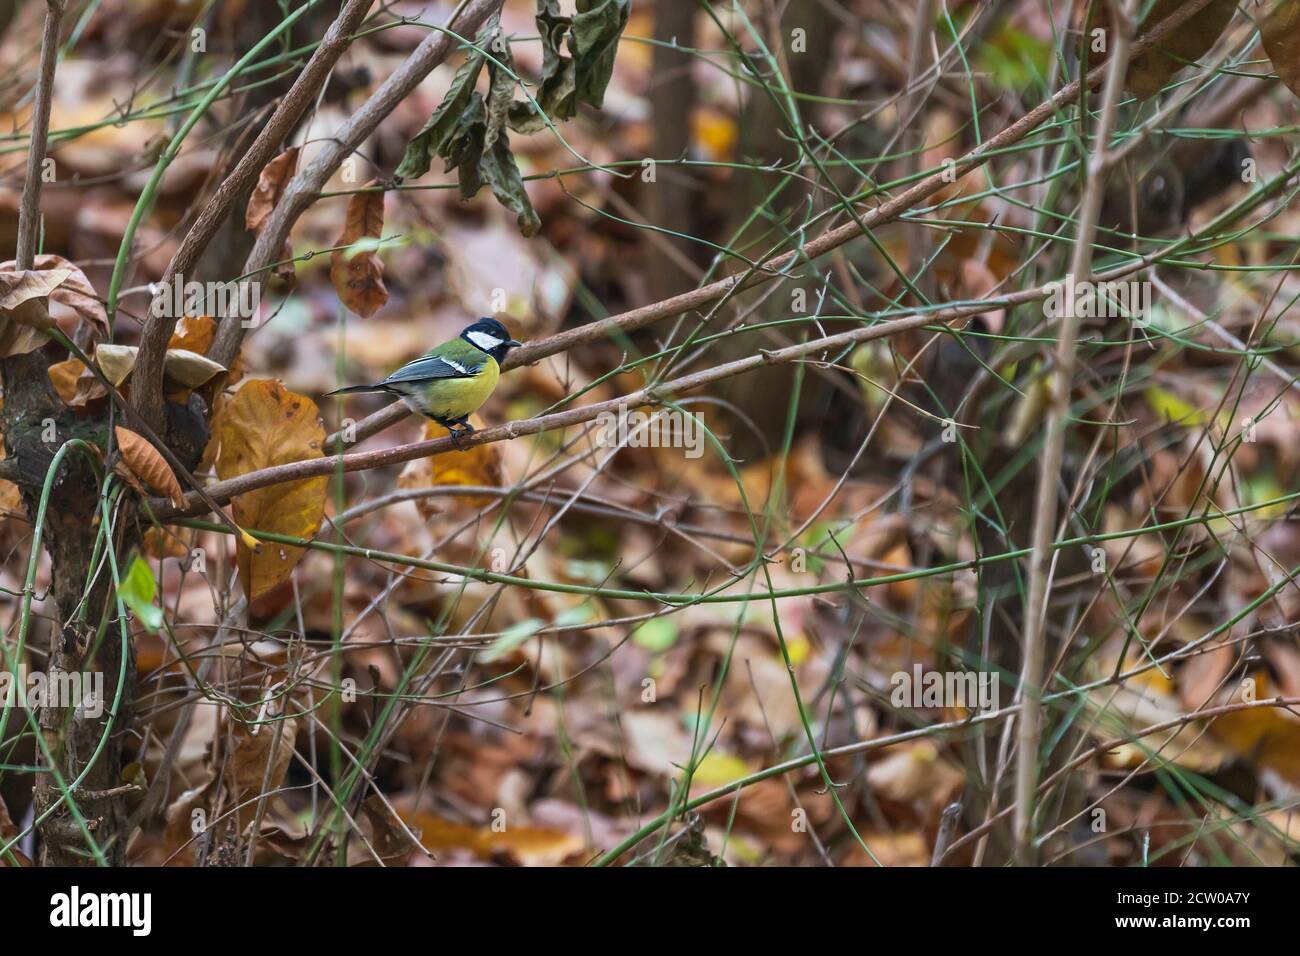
(672, 197)
(767, 137)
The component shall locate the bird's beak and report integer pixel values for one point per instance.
(513, 344)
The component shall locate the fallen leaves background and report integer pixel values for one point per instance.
(501, 724)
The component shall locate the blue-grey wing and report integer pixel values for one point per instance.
(434, 366)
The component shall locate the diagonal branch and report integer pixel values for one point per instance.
(307, 184)
(157, 332)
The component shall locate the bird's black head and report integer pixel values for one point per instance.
(490, 336)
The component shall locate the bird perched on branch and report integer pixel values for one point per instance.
(452, 380)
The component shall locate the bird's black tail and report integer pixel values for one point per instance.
(353, 389)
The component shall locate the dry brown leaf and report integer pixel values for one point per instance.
(74, 292)
(17, 288)
(358, 275)
(181, 367)
(24, 309)
(76, 384)
(1280, 34)
(271, 181)
(261, 756)
(148, 464)
(389, 837)
(478, 466)
(265, 424)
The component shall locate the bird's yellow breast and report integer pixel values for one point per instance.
(453, 398)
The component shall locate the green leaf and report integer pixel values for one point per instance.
(657, 634)
(555, 93)
(442, 125)
(1016, 60)
(580, 614)
(501, 86)
(463, 150)
(500, 171)
(137, 591)
(597, 27)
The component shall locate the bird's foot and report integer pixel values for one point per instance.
(452, 432)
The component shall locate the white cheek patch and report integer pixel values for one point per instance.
(484, 341)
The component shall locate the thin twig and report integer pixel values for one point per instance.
(1029, 730)
(29, 213)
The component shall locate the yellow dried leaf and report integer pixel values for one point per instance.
(180, 366)
(265, 424)
(115, 361)
(478, 466)
(194, 333)
(64, 376)
(529, 846)
(1266, 736)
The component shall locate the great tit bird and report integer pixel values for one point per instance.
(452, 380)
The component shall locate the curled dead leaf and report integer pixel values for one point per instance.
(181, 367)
(358, 273)
(74, 292)
(64, 375)
(271, 181)
(148, 464)
(24, 309)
